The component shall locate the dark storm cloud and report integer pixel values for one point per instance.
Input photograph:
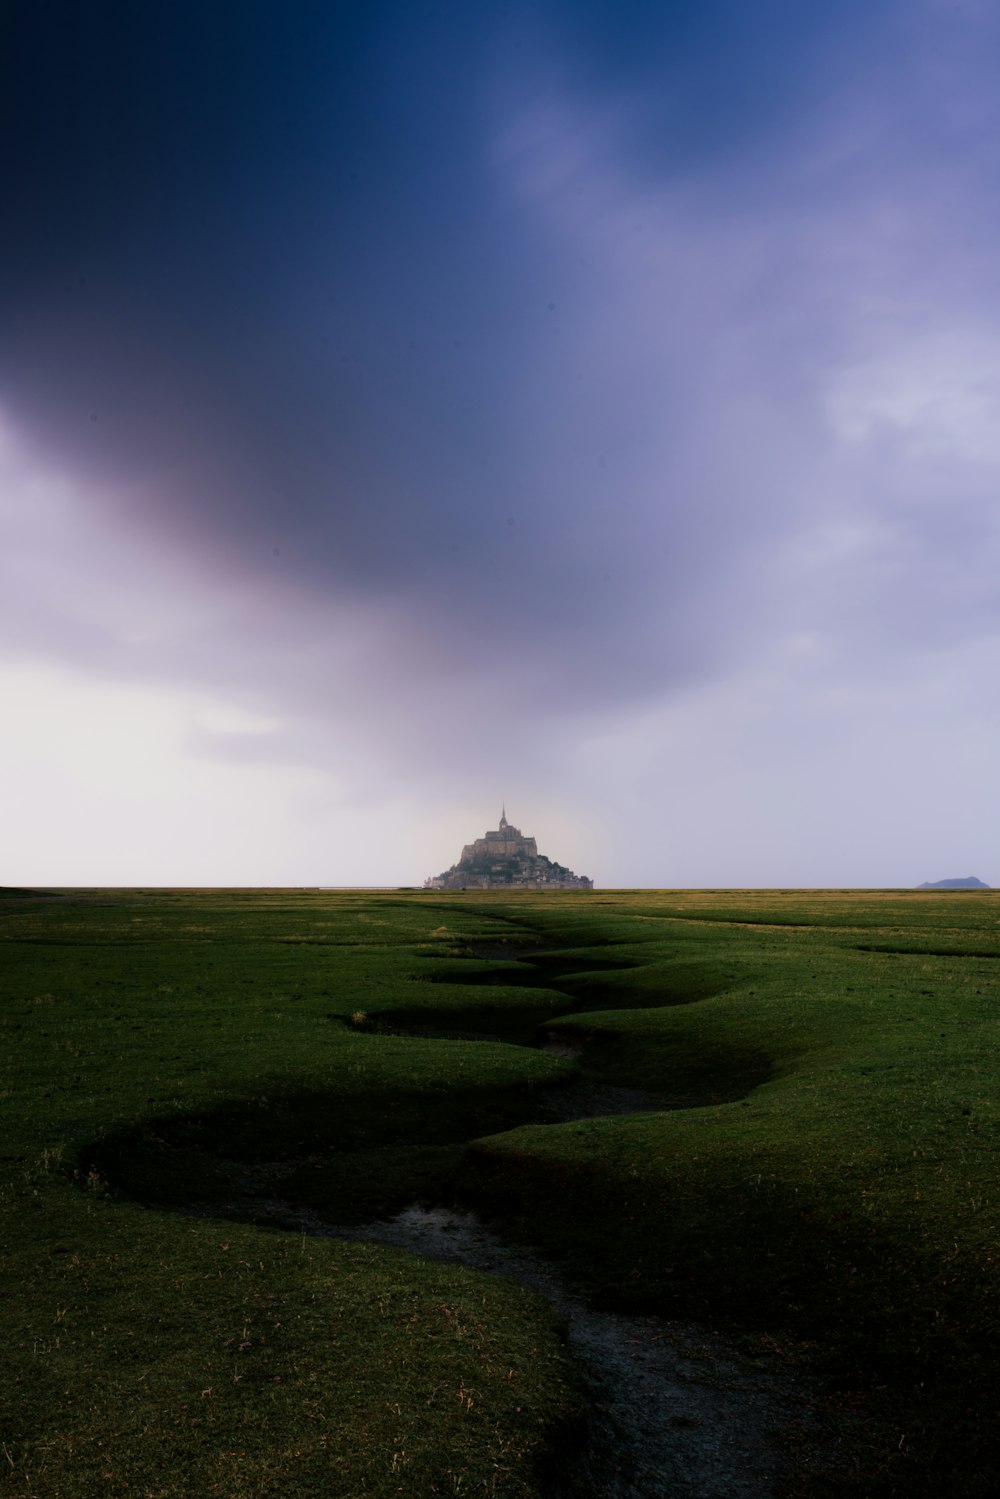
(519, 339)
(258, 263)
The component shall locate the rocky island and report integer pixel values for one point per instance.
(506, 859)
(969, 883)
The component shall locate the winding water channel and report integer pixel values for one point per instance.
(675, 1409)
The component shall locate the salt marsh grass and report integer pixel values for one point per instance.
(817, 1168)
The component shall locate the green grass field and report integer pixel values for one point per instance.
(819, 1171)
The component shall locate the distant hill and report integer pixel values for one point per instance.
(968, 884)
(19, 892)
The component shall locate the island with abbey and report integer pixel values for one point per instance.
(505, 859)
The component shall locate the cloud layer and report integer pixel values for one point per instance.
(596, 413)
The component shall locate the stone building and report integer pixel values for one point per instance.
(505, 859)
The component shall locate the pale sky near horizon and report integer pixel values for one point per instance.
(407, 408)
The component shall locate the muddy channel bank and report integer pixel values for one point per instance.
(675, 1408)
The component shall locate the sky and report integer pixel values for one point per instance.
(407, 408)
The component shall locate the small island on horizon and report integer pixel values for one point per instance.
(969, 883)
(505, 859)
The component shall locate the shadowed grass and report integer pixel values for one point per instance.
(835, 1185)
(157, 1044)
(848, 1200)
